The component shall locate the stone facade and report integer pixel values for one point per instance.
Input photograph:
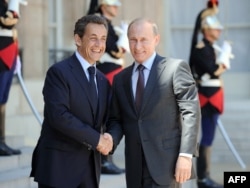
(48, 24)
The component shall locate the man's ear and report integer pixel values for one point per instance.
(78, 40)
(157, 39)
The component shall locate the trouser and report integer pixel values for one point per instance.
(2, 123)
(148, 182)
(5, 84)
(107, 158)
(203, 162)
(208, 128)
(88, 181)
(43, 186)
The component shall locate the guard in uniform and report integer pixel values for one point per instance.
(208, 62)
(9, 15)
(112, 61)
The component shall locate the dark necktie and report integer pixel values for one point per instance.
(139, 87)
(92, 85)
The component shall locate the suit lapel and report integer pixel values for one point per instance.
(80, 76)
(157, 68)
(128, 87)
(156, 71)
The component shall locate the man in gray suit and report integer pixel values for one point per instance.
(161, 131)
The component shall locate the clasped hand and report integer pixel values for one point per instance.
(105, 144)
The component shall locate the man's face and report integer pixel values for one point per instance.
(93, 43)
(142, 41)
(110, 11)
(216, 33)
(212, 34)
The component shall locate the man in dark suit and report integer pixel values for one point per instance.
(68, 150)
(161, 126)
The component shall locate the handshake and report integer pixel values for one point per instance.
(105, 144)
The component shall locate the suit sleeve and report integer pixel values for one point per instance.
(187, 99)
(114, 126)
(64, 112)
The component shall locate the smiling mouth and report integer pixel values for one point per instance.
(97, 51)
(139, 53)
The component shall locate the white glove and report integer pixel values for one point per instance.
(18, 65)
(225, 54)
(13, 5)
(123, 39)
(23, 2)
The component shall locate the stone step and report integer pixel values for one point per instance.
(15, 170)
(18, 178)
(13, 162)
(239, 139)
(16, 141)
(26, 125)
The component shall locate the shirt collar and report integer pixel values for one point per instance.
(84, 63)
(148, 63)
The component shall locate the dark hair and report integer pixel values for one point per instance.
(80, 25)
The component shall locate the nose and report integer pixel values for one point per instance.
(137, 45)
(100, 42)
(97, 42)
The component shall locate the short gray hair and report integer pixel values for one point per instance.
(141, 20)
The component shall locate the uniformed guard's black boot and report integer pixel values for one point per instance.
(4, 149)
(203, 164)
(108, 166)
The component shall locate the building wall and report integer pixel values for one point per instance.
(33, 38)
(34, 25)
(175, 26)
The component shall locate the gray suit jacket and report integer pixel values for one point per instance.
(168, 123)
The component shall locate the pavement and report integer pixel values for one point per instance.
(217, 172)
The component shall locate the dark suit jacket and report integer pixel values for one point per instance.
(166, 125)
(71, 129)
